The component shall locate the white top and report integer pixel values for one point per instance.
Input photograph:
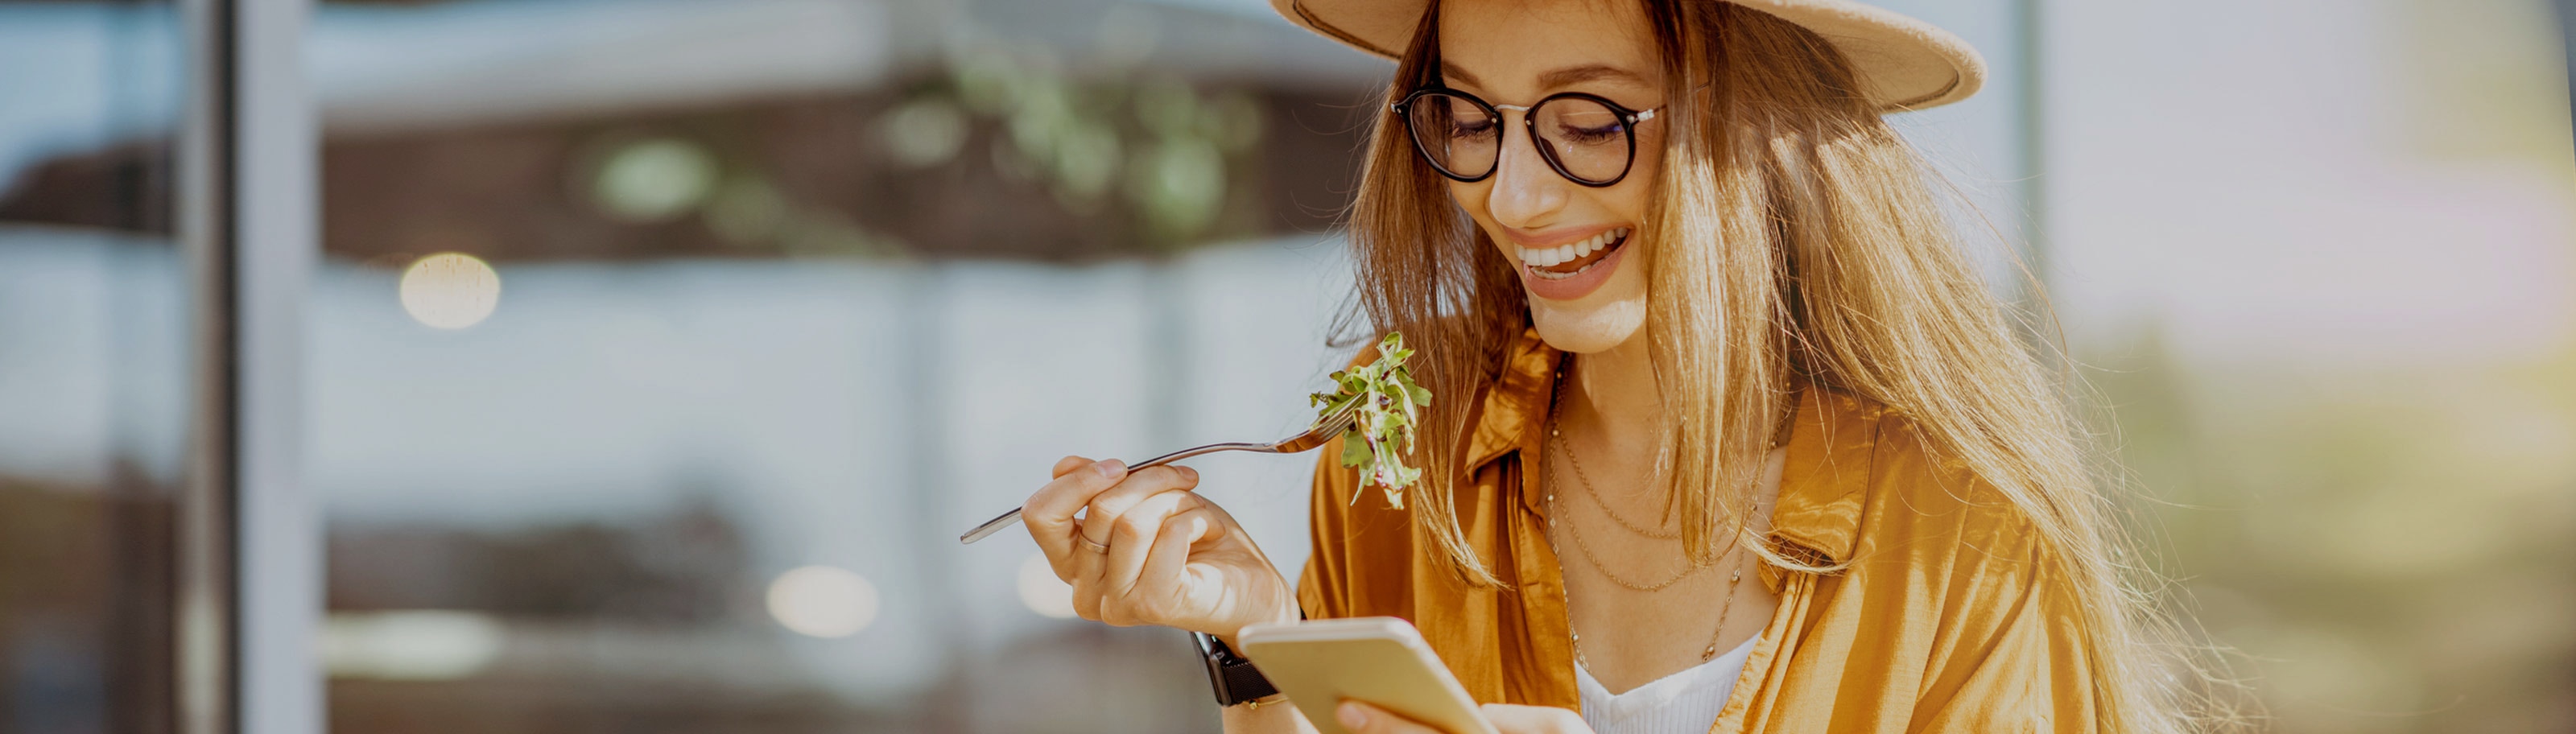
(1685, 702)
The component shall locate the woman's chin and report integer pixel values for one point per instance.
(1607, 314)
(1588, 330)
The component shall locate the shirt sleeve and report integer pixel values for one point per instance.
(1323, 591)
(2017, 659)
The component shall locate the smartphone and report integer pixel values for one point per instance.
(1375, 660)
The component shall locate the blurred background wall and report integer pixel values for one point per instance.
(662, 348)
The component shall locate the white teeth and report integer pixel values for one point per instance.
(1562, 254)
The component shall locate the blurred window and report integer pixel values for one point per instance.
(93, 393)
(661, 349)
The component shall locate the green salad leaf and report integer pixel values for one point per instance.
(1382, 432)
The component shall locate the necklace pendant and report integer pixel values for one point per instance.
(1711, 652)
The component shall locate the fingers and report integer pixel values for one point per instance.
(1100, 517)
(1127, 519)
(1049, 513)
(1127, 547)
(1512, 719)
(1361, 718)
(1067, 464)
(1195, 526)
(1132, 526)
(1154, 593)
(1131, 541)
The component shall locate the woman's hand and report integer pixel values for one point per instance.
(1148, 551)
(1362, 718)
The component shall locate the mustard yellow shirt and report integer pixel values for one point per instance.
(1947, 617)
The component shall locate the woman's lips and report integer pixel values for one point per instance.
(1587, 275)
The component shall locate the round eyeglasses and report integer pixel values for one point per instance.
(1587, 139)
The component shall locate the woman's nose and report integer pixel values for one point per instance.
(1527, 193)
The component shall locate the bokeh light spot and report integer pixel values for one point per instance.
(822, 601)
(415, 644)
(1042, 591)
(450, 290)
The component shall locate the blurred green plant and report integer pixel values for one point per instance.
(652, 179)
(1144, 161)
(1171, 147)
(2388, 551)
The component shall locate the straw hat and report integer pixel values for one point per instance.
(1905, 64)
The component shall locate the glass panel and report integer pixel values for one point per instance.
(93, 383)
(657, 365)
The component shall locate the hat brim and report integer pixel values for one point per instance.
(1903, 63)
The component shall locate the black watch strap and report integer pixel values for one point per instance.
(1234, 678)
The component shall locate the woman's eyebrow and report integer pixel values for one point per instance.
(1556, 79)
(1573, 75)
(1452, 71)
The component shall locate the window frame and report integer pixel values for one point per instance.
(249, 567)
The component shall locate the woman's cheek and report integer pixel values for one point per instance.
(1471, 197)
(1639, 188)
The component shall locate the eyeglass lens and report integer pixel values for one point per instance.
(1588, 140)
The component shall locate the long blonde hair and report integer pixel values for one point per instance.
(1793, 241)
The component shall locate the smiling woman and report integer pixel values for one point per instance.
(1766, 293)
(1669, 255)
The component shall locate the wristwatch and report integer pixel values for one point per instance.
(1234, 678)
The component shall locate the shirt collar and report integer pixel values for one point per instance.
(1513, 413)
(1828, 467)
(1829, 445)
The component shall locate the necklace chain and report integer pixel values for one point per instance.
(1724, 608)
(1585, 481)
(1733, 577)
(1705, 654)
(1555, 398)
(1571, 530)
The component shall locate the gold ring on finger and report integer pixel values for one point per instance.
(1096, 547)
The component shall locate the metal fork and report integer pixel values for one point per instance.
(1324, 430)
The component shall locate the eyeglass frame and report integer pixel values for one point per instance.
(1629, 119)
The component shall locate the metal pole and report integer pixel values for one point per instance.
(249, 564)
(206, 637)
(278, 524)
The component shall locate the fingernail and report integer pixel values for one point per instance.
(1110, 469)
(1190, 474)
(1351, 716)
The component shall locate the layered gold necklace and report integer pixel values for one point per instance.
(1572, 530)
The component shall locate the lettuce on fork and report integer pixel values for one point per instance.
(1382, 431)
